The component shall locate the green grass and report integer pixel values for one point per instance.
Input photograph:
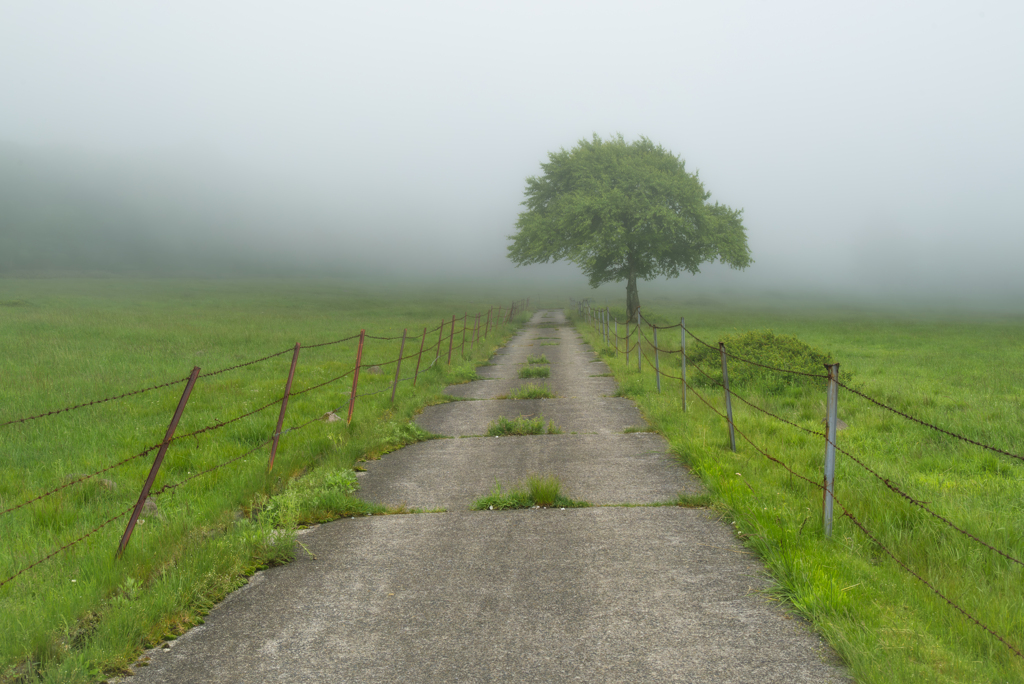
(521, 425)
(530, 392)
(84, 615)
(963, 374)
(537, 359)
(542, 492)
(534, 372)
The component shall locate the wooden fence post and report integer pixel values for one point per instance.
(419, 358)
(398, 366)
(440, 336)
(355, 378)
(451, 340)
(157, 461)
(284, 407)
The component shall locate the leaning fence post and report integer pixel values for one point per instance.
(284, 407)
(157, 461)
(682, 344)
(451, 340)
(355, 377)
(398, 366)
(462, 347)
(487, 325)
(728, 398)
(657, 367)
(830, 444)
(416, 375)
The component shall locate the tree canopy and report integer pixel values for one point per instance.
(622, 211)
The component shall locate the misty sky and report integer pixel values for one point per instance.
(886, 136)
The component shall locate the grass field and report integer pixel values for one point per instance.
(964, 374)
(83, 614)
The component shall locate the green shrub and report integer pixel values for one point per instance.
(766, 348)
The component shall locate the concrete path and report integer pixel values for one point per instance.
(603, 594)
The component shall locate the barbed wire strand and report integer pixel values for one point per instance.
(94, 402)
(921, 504)
(68, 545)
(925, 582)
(327, 382)
(929, 425)
(83, 478)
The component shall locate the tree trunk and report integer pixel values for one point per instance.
(632, 298)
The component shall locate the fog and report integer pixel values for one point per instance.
(877, 149)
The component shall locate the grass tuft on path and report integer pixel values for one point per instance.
(542, 492)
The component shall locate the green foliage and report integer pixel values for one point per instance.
(622, 211)
(766, 348)
(530, 392)
(537, 359)
(534, 372)
(542, 492)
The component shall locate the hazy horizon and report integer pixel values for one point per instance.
(876, 150)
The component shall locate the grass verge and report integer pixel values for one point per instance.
(521, 425)
(885, 624)
(534, 372)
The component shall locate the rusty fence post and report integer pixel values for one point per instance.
(682, 346)
(284, 407)
(728, 398)
(451, 340)
(157, 461)
(398, 366)
(355, 377)
(830, 445)
(462, 346)
(419, 358)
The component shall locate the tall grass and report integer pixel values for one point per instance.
(83, 615)
(963, 375)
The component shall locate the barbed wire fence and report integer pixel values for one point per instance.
(476, 327)
(636, 344)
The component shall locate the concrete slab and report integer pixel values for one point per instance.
(561, 387)
(594, 595)
(601, 469)
(599, 415)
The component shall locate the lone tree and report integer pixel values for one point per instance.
(623, 211)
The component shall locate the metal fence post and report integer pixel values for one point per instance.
(627, 344)
(451, 340)
(355, 377)
(157, 461)
(284, 407)
(440, 336)
(657, 366)
(416, 375)
(639, 340)
(682, 343)
(462, 346)
(830, 445)
(728, 398)
(398, 366)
